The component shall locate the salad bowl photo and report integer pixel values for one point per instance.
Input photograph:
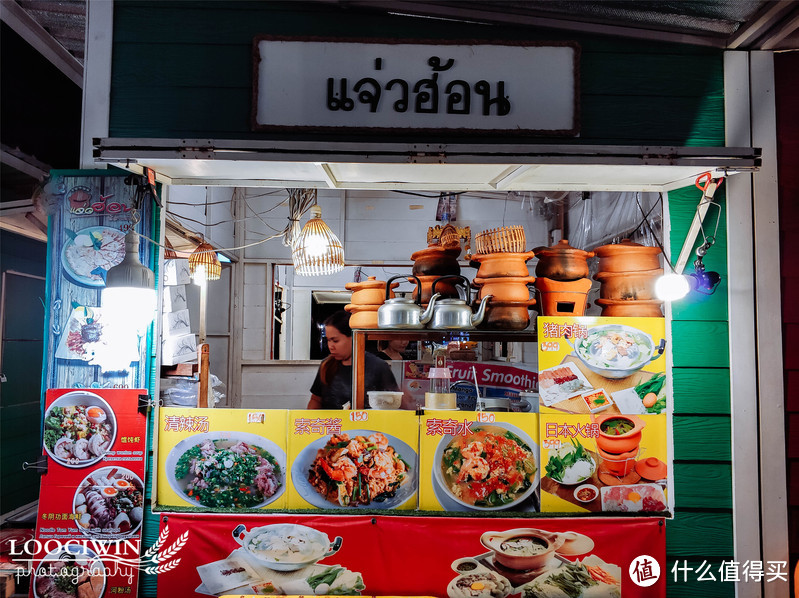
(286, 546)
(227, 470)
(616, 351)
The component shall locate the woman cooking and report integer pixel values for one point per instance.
(332, 388)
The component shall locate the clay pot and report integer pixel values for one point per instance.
(562, 298)
(630, 309)
(495, 265)
(627, 257)
(562, 262)
(505, 288)
(507, 315)
(369, 292)
(619, 465)
(496, 541)
(622, 443)
(652, 468)
(447, 289)
(628, 286)
(363, 316)
(436, 261)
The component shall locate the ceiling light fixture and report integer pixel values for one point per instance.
(204, 263)
(316, 251)
(129, 293)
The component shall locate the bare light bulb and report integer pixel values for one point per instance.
(671, 287)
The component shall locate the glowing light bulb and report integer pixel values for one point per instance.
(315, 245)
(671, 287)
(199, 278)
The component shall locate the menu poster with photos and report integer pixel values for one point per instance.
(91, 498)
(91, 213)
(391, 555)
(353, 459)
(604, 463)
(222, 459)
(591, 365)
(479, 462)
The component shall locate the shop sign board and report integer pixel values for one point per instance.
(602, 365)
(403, 85)
(91, 499)
(350, 460)
(479, 462)
(221, 459)
(243, 554)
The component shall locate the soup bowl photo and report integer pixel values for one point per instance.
(616, 351)
(286, 546)
(523, 549)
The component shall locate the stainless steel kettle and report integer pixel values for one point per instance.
(402, 312)
(455, 314)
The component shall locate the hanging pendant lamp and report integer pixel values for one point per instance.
(204, 259)
(317, 251)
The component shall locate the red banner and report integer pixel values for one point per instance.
(91, 499)
(219, 555)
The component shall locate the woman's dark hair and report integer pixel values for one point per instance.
(340, 320)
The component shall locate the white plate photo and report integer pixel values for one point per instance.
(561, 392)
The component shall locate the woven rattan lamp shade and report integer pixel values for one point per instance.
(205, 255)
(317, 251)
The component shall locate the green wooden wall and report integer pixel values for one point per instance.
(183, 70)
(702, 525)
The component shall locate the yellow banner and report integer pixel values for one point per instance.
(222, 458)
(479, 461)
(353, 459)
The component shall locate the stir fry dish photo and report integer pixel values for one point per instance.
(359, 470)
(228, 473)
(490, 468)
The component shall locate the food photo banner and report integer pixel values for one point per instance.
(222, 458)
(90, 215)
(92, 495)
(347, 555)
(591, 365)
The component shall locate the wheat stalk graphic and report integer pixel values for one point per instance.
(162, 568)
(161, 561)
(153, 550)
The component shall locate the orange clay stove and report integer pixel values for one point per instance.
(617, 464)
(562, 298)
(505, 288)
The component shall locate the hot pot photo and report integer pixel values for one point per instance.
(615, 350)
(286, 546)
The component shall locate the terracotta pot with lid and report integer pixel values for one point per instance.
(611, 442)
(628, 286)
(436, 261)
(507, 315)
(495, 265)
(505, 288)
(561, 261)
(643, 308)
(362, 316)
(369, 292)
(446, 289)
(628, 256)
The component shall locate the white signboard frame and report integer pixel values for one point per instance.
(314, 84)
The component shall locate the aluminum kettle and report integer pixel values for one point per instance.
(455, 314)
(402, 312)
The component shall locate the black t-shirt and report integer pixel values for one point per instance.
(377, 376)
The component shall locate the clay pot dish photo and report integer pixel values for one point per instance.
(561, 261)
(369, 292)
(611, 442)
(496, 265)
(508, 288)
(613, 308)
(508, 544)
(628, 286)
(627, 257)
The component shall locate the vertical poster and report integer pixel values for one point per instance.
(90, 217)
(353, 459)
(479, 462)
(608, 365)
(604, 463)
(222, 459)
(91, 499)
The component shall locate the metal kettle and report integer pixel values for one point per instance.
(402, 312)
(455, 314)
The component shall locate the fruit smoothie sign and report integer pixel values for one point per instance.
(91, 499)
(591, 365)
(221, 459)
(353, 459)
